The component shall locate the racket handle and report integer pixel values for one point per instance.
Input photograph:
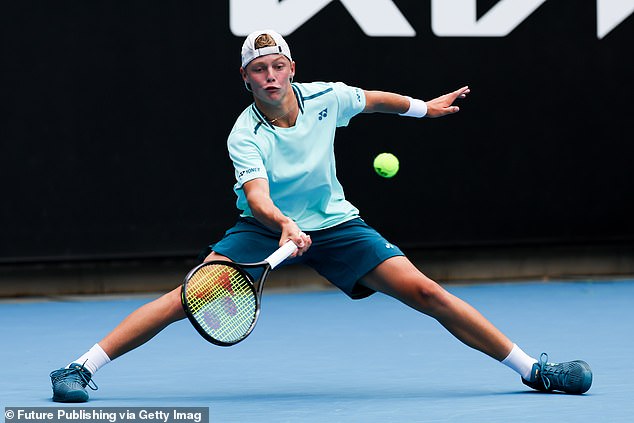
(281, 254)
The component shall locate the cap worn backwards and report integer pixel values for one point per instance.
(250, 52)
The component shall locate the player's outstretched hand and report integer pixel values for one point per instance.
(443, 105)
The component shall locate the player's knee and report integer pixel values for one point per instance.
(430, 297)
(215, 256)
(172, 305)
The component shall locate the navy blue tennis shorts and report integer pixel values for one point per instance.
(342, 254)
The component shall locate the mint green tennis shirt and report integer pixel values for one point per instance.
(298, 162)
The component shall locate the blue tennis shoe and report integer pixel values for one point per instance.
(572, 377)
(69, 384)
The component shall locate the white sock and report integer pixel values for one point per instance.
(94, 359)
(519, 361)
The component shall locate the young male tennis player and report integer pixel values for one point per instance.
(282, 148)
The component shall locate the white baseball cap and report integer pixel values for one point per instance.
(249, 52)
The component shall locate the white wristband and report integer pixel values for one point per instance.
(417, 108)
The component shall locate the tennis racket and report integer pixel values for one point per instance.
(222, 300)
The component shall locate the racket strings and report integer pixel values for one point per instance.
(222, 301)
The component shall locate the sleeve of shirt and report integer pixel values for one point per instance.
(246, 158)
(351, 102)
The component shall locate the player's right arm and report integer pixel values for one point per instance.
(266, 212)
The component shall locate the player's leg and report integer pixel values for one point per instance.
(143, 324)
(69, 383)
(399, 278)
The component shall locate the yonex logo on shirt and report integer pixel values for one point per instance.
(247, 171)
(323, 114)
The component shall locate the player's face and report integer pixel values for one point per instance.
(269, 77)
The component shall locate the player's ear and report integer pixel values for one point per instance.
(243, 73)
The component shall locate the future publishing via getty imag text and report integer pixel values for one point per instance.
(107, 414)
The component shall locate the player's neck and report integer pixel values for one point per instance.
(283, 115)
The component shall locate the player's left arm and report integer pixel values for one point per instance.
(387, 102)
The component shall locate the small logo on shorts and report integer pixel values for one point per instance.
(388, 245)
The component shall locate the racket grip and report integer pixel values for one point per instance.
(281, 254)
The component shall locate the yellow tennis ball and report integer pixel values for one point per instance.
(386, 165)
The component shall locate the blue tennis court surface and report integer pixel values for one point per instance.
(320, 357)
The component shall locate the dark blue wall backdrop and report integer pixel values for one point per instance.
(115, 115)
